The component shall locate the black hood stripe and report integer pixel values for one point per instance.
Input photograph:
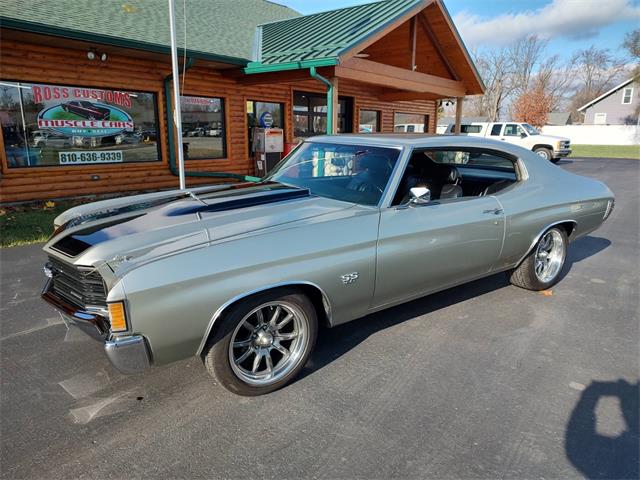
(81, 240)
(242, 202)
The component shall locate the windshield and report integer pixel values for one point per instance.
(530, 130)
(351, 173)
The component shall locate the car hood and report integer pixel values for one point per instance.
(550, 138)
(143, 229)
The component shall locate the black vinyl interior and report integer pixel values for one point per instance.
(447, 181)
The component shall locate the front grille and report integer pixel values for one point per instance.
(82, 287)
(565, 144)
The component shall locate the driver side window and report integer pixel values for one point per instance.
(455, 174)
(513, 130)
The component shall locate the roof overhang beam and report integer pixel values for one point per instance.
(388, 76)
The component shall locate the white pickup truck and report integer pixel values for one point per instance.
(549, 147)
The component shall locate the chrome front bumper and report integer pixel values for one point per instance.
(563, 152)
(128, 354)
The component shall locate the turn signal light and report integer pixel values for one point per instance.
(117, 317)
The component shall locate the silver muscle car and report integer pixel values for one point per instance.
(241, 275)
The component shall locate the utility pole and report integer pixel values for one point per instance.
(177, 117)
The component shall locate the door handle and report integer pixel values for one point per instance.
(494, 211)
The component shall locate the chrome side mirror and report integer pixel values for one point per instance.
(419, 195)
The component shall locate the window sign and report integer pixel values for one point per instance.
(51, 125)
(203, 127)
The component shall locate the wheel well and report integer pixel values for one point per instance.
(568, 227)
(549, 147)
(314, 293)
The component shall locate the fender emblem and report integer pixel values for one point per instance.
(349, 278)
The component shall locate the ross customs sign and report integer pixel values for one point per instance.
(82, 118)
(82, 112)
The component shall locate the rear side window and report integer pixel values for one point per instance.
(495, 130)
(470, 128)
(511, 130)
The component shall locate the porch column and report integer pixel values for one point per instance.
(458, 115)
(333, 111)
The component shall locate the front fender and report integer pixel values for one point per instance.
(175, 301)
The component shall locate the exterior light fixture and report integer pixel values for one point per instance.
(91, 54)
(103, 57)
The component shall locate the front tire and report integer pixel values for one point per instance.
(544, 153)
(262, 342)
(541, 268)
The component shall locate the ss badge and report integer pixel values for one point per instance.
(349, 278)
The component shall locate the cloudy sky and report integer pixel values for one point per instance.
(568, 24)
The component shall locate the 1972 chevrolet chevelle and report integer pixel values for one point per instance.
(344, 226)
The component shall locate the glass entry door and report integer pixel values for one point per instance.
(310, 114)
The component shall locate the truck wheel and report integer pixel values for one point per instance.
(262, 342)
(541, 268)
(543, 152)
(555, 160)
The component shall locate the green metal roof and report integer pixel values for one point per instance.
(216, 29)
(320, 38)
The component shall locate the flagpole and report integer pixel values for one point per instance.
(177, 117)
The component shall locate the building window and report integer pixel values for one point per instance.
(599, 118)
(310, 114)
(627, 95)
(46, 125)
(369, 121)
(410, 123)
(203, 127)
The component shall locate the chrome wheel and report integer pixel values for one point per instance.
(268, 343)
(549, 256)
(543, 153)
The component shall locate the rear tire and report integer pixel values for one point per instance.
(263, 342)
(544, 153)
(541, 268)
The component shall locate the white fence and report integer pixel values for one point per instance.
(596, 134)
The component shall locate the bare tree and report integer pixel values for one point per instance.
(555, 78)
(496, 68)
(525, 55)
(596, 70)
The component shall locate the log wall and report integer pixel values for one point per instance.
(128, 70)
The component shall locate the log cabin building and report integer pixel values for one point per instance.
(86, 87)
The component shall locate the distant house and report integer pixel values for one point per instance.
(618, 106)
(559, 118)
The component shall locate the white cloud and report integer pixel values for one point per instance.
(575, 19)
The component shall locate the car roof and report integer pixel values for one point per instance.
(406, 140)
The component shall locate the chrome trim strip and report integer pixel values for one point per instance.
(129, 355)
(537, 237)
(325, 302)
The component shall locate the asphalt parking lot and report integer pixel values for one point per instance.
(482, 381)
